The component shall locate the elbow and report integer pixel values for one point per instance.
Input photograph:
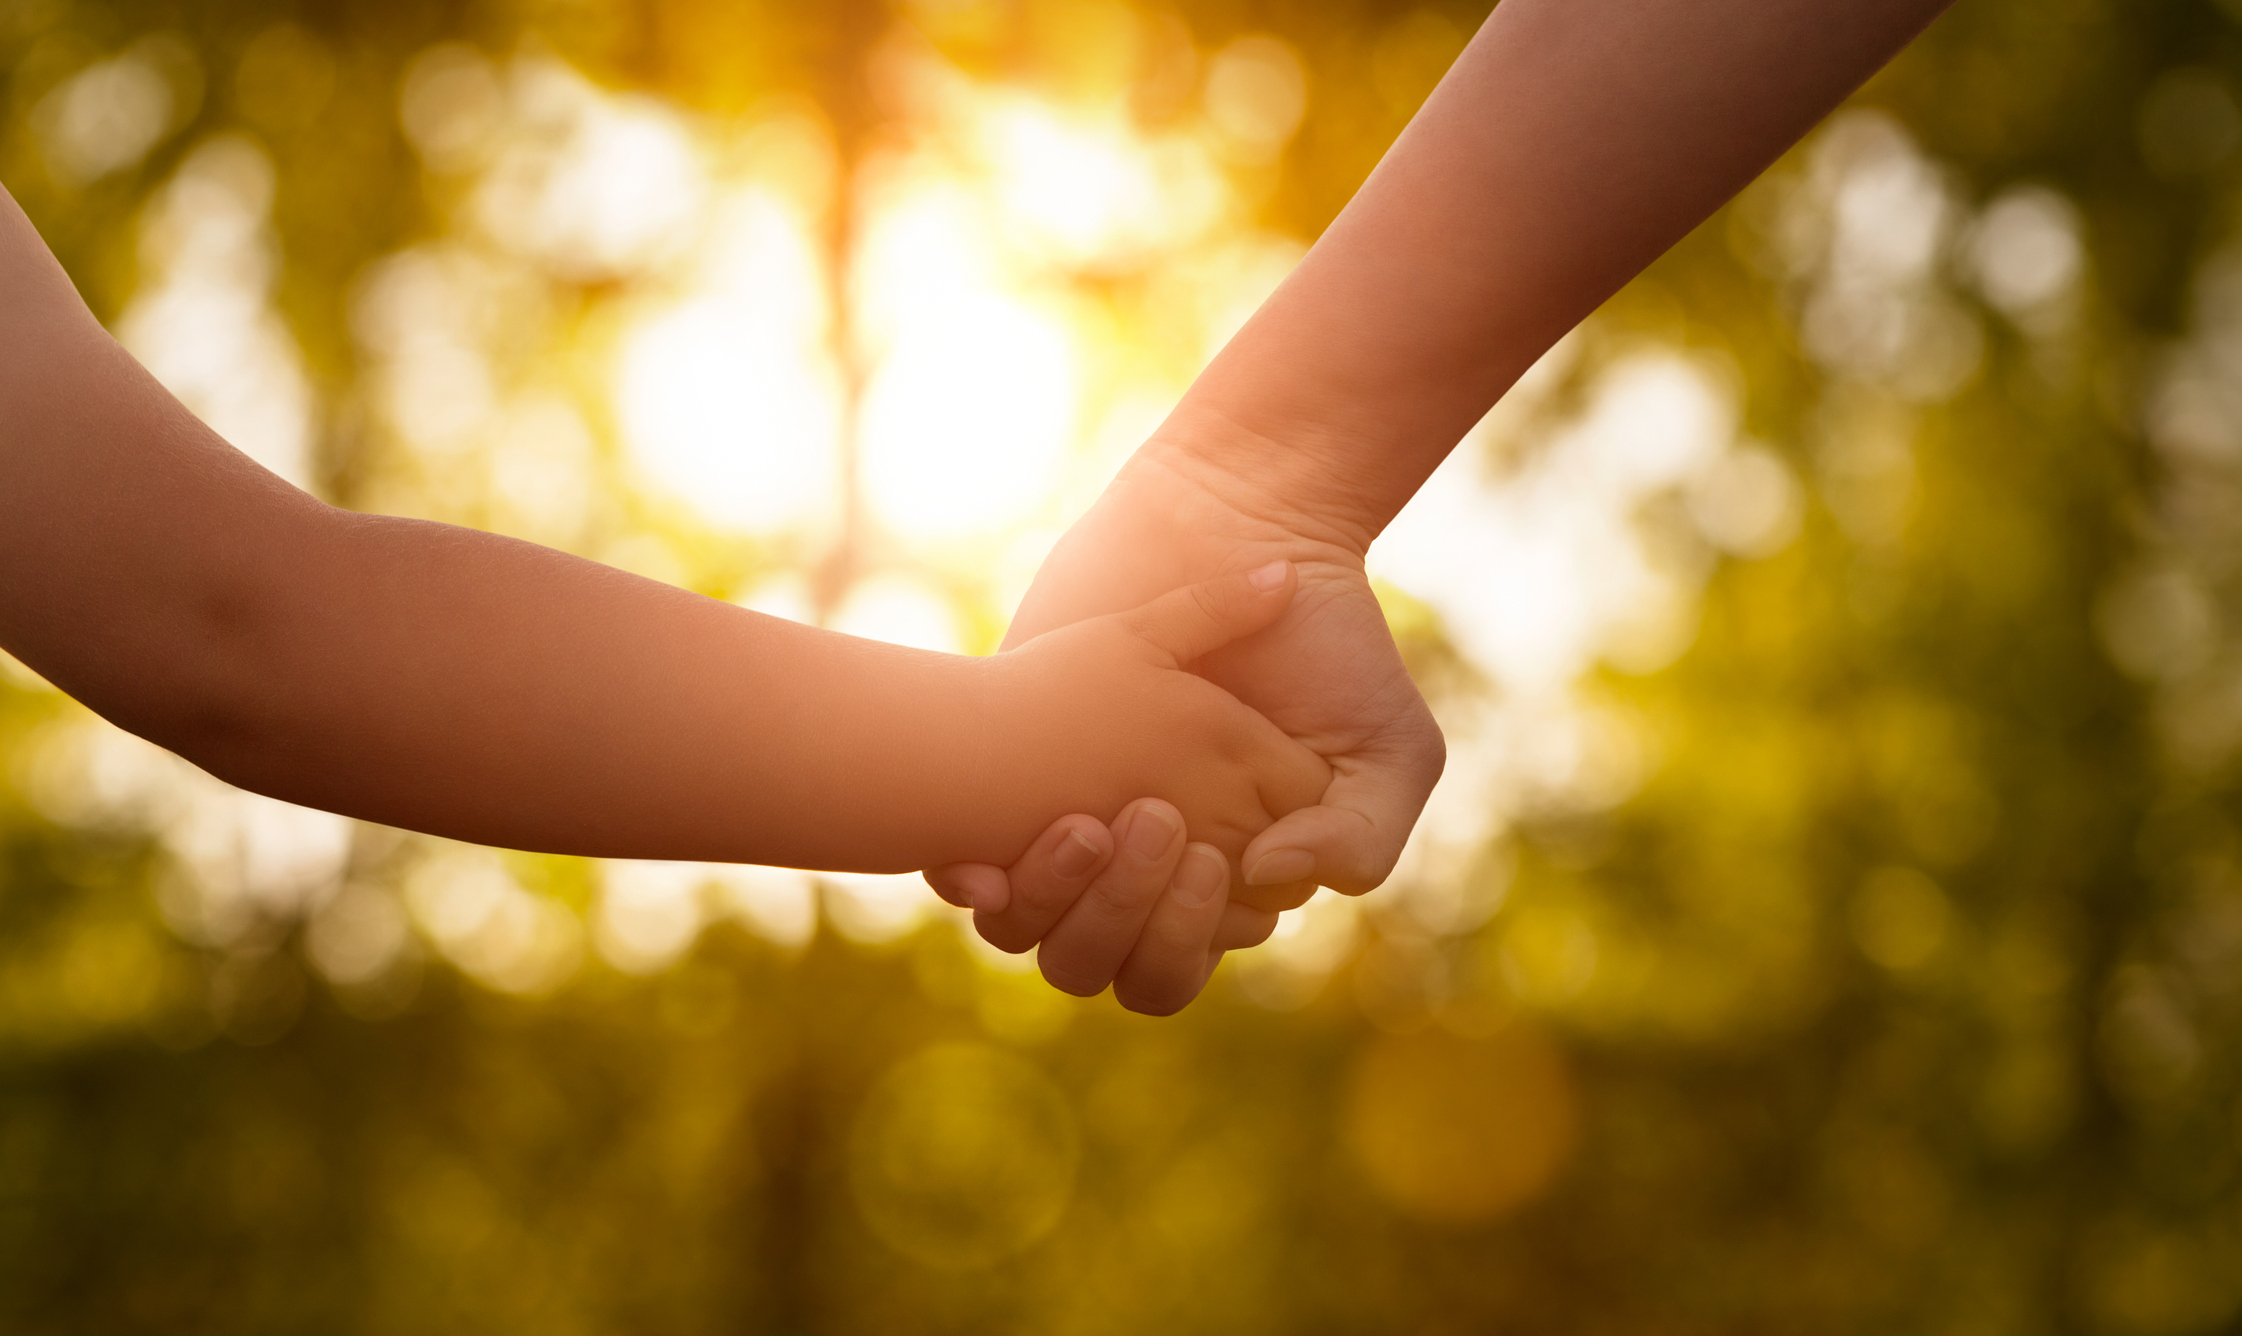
(203, 699)
(208, 674)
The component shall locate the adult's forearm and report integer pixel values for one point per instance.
(1572, 143)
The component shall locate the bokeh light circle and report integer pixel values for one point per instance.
(963, 1155)
(1461, 1130)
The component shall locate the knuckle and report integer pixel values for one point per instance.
(1043, 897)
(1118, 895)
(1435, 761)
(1380, 862)
(1208, 599)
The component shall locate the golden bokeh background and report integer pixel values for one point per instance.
(1831, 918)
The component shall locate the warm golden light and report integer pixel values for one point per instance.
(1459, 1130)
(727, 397)
(1830, 911)
(963, 1155)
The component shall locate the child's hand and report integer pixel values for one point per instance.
(1096, 714)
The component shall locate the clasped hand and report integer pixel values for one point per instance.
(1133, 904)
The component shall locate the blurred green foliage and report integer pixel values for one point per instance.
(1903, 995)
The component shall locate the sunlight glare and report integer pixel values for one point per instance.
(1082, 191)
(788, 597)
(966, 426)
(974, 404)
(206, 326)
(593, 185)
(729, 399)
(900, 611)
(1537, 577)
(872, 907)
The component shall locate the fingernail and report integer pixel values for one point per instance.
(1280, 865)
(1150, 832)
(1268, 577)
(1199, 879)
(1075, 856)
(993, 898)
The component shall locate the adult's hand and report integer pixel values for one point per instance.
(1327, 673)
(1429, 294)
(1132, 906)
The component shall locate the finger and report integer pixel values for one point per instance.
(1043, 884)
(1169, 963)
(1274, 899)
(1199, 619)
(1351, 841)
(1084, 950)
(1287, 775)
(971, 885)
(1242, 926)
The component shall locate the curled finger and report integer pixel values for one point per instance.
(1176, 950)
(1041, 887)
(1085, 949)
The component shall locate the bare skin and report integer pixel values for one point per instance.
(456, 682)
(1572, 143)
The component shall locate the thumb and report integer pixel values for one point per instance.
(1199, 619)
(1351, 841)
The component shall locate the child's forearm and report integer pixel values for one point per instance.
(469, 685)
(1572, 143)
(438, 678)
(456, 682)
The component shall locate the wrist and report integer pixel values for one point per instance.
(1006, 769)
(1289, 488)
(974, 788)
